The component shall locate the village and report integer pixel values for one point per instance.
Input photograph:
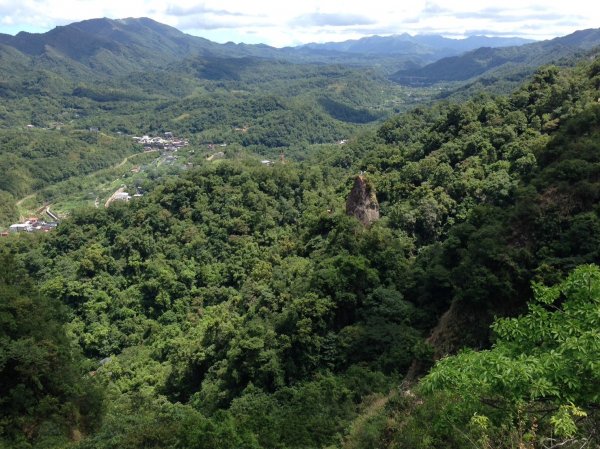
(166, 143)
(32, 224)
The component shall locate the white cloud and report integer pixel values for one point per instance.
(283, 23)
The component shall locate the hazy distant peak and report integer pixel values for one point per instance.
(432, 44)
(484, 59)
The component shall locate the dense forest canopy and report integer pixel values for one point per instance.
(234, 303)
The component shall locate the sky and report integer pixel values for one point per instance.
(292, 22)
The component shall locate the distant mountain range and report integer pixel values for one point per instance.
(485, 60)
(404, 44)
(104, 48)
(112, 47)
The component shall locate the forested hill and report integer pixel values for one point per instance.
(112, 47)
(237, 305)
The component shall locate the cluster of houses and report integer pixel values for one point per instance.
(122, 195)
(166, 143)
(212, 146)
(270, 163)
(32, 224)
(126, 196)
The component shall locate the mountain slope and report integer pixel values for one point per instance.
(484, 60)
(113, 47)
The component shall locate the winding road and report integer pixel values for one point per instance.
(25, 198)
(124, 161)
(20, 202)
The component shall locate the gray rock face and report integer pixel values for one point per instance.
(362, 202)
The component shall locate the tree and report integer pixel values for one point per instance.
(544, 367)
(45, 391)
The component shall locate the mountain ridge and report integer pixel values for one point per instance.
(428, 43)
(146, 42)
(483, 60)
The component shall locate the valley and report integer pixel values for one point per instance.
(380, 243)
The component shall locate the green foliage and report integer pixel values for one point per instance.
(8, 210)
(228, 275)
(541, 374)
(495, 192)
(139, 420)
(32, 159)
(46, 394)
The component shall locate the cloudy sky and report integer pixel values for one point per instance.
(289, 22)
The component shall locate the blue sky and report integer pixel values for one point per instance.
(280, 23)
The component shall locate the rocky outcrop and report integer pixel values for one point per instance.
(362, 202)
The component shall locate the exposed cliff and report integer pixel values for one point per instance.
(362, 202)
